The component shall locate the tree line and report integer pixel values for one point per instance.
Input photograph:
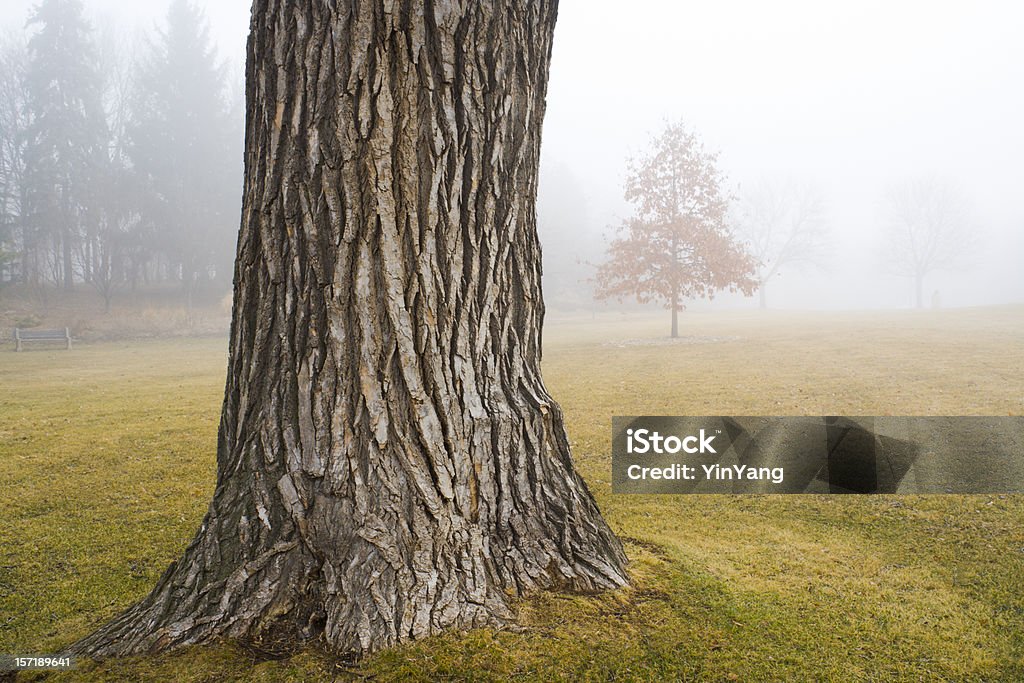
(117, 166)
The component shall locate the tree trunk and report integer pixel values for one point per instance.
(762, 288)
(919, 290)
(675, 315)
(390, 463)
(188, 281)
(64, 269)
(66, 262)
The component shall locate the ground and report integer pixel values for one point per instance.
(107, 457)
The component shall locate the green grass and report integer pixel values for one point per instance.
(107, 465)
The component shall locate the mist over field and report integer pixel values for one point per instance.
(744, 209)
(850, 104)
(851, 99)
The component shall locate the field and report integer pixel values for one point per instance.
(107, 464)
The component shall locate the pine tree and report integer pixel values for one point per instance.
(185, 149)
(66, 132)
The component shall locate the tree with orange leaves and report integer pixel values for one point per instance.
(677, 245)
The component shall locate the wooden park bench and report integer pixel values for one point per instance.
(22, 336)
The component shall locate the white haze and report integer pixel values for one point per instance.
(850, 97)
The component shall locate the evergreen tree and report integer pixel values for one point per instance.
(185, 147)
(66, 132)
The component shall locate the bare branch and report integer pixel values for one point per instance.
(928, 227)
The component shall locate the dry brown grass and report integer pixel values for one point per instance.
(107, 465)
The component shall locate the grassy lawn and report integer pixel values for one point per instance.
(107, 465)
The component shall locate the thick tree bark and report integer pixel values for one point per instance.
(390, 463)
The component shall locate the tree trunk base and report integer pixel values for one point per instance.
(304, 609)
(370, 588)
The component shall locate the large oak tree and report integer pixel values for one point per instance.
(390, 463)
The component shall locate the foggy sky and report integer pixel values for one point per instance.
(849, 96)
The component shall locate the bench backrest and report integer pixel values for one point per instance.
(40, 334)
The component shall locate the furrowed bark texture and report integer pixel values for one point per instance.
(390, 463)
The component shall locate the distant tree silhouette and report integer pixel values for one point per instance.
(13, 125)
(784, 225)
(927, 228)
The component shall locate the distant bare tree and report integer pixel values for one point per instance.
(570, 245)
(927, 228)
(784, 225)
(13, 124)
(115, 217)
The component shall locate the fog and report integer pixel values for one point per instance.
(849, 99)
